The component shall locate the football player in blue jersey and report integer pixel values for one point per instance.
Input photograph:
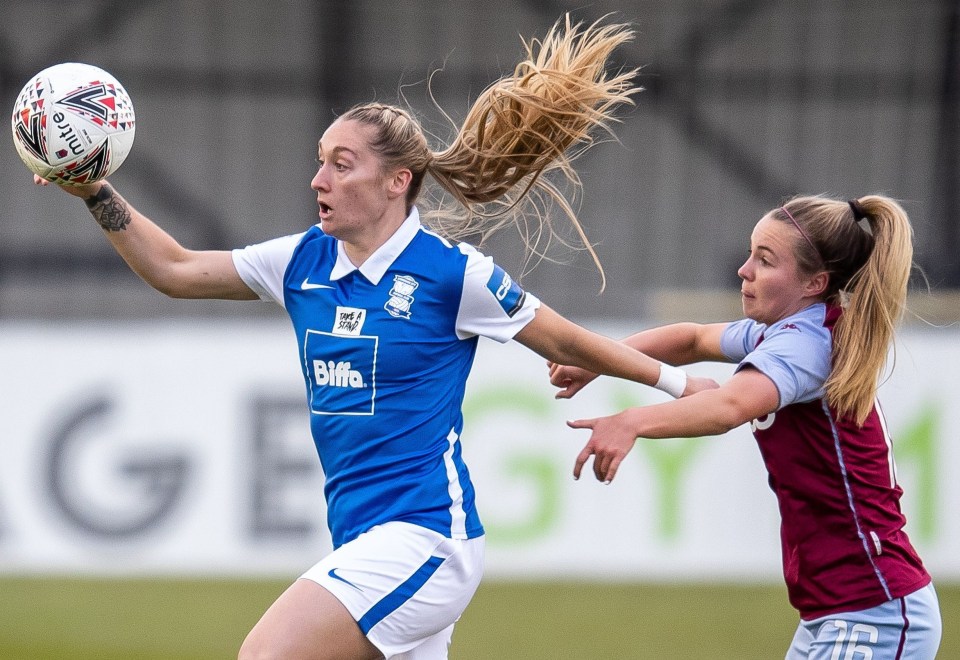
(387, 314)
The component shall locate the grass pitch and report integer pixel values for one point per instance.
(145, 619)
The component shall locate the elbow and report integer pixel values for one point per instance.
(735, 416)
(169, 288)
(170, 281)
(727, 415)
(178, 295)
(727, 423)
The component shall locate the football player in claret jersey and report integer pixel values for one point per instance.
(387, 315)
(823, 287)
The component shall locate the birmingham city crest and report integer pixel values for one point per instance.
(401, 296)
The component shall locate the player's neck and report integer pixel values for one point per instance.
(359, 248)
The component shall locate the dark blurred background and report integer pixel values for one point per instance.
(746, 103)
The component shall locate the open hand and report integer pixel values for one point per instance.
(610, 441)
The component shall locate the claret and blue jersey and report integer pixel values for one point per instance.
(844, 546)
(385, 351)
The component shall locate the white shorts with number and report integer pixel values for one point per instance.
(405, 585)
(900, 629)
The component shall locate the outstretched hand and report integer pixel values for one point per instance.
(569, 379)
(611, 440)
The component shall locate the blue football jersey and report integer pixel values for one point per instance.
(385, 350)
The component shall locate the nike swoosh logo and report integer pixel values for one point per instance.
(307, 285)
(332, 573)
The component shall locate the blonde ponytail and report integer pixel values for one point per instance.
(526, 126)
(521, 129)
(876, 295)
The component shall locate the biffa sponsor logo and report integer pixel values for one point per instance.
(336, 374)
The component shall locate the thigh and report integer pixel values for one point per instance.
(309, 623)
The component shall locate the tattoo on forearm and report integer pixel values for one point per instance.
(109, 209)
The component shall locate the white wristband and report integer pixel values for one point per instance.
(672, 380)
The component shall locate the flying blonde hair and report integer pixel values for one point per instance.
(866, 246)
(520, 130)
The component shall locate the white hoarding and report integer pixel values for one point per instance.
(184, 448)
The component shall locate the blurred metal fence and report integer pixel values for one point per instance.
(747, 102)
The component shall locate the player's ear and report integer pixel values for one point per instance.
(818, 283)
(399, 182)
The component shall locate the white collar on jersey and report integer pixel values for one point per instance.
(377, 263)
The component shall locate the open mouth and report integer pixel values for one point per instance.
(324, 209)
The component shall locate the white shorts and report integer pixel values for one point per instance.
(405, 585)
(908, 627)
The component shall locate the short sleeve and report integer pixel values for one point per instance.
(796, 355)
(739, 338)
(492, 304)
(262, 266)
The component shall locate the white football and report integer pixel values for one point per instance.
(73, 123)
